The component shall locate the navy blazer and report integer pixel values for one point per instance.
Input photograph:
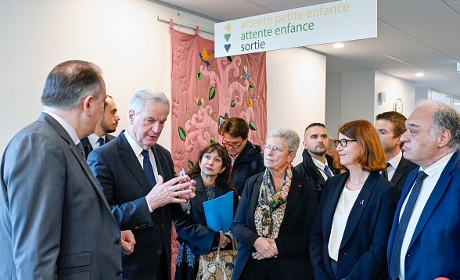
(192, 229)
(294, 233)
(363, 247)
(403, 170)
(125, 186)
(434, 250)
(88, 147)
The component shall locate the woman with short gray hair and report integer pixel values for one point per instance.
(273, 220)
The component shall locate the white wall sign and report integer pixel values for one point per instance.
(311, 25)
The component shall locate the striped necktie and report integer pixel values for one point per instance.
(328, 171)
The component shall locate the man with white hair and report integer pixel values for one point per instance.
(424, 242)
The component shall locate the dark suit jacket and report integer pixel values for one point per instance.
(125, 186)
(192, 229)
(87, 145)
(363, 247)
(310, 171)
(434, 250)
(248, 163)
(402, 171)
(54, 220)
(294, 232)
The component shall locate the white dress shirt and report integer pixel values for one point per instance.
(320, 166)
(70, 130)
(137, 148)
(394, 162)
(342, 212)
(93, 140)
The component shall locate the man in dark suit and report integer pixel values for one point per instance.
(424, 242)
(317, 166)
(107, 124)
(54, 220)
(137, 177)
(390, 126)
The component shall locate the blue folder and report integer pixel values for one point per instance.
(219, 212)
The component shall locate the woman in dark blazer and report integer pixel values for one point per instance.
(350, 233)
(273, 220)
(212, 176)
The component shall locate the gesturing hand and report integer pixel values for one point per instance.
(172, 191)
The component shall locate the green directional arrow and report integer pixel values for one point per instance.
(227, 37)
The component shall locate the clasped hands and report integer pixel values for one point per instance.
(177, 190)
(265, 249)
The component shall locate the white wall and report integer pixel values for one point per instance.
(393, 88)
(5, 98)
(422, 93)
(123, 37)
(296, 81)
(353, 95)
(357, 96)
(333, 101)
(132, 48)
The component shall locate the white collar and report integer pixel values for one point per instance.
(70, 130)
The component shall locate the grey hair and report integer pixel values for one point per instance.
(147, 97)
(444, 117)
(69, 82)
(292, 138)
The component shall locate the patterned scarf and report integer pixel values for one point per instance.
(271, 205)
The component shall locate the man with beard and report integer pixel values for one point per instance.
(107, 124)
(390, 126)
(316, 165)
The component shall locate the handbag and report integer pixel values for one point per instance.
(217, 265)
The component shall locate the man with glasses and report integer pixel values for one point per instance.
(316, 166)
(247, 159)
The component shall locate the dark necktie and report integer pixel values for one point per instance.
(82, 149)
(328, 171)
(385, 171)
(101, 141)
(148, 170)
(402, 226)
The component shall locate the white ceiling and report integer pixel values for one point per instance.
(412, 36)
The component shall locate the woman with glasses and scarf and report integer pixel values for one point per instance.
(273, 220)
(350, 233)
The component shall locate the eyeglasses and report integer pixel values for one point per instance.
(232, 145)
(343, 142)
(274, 148)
